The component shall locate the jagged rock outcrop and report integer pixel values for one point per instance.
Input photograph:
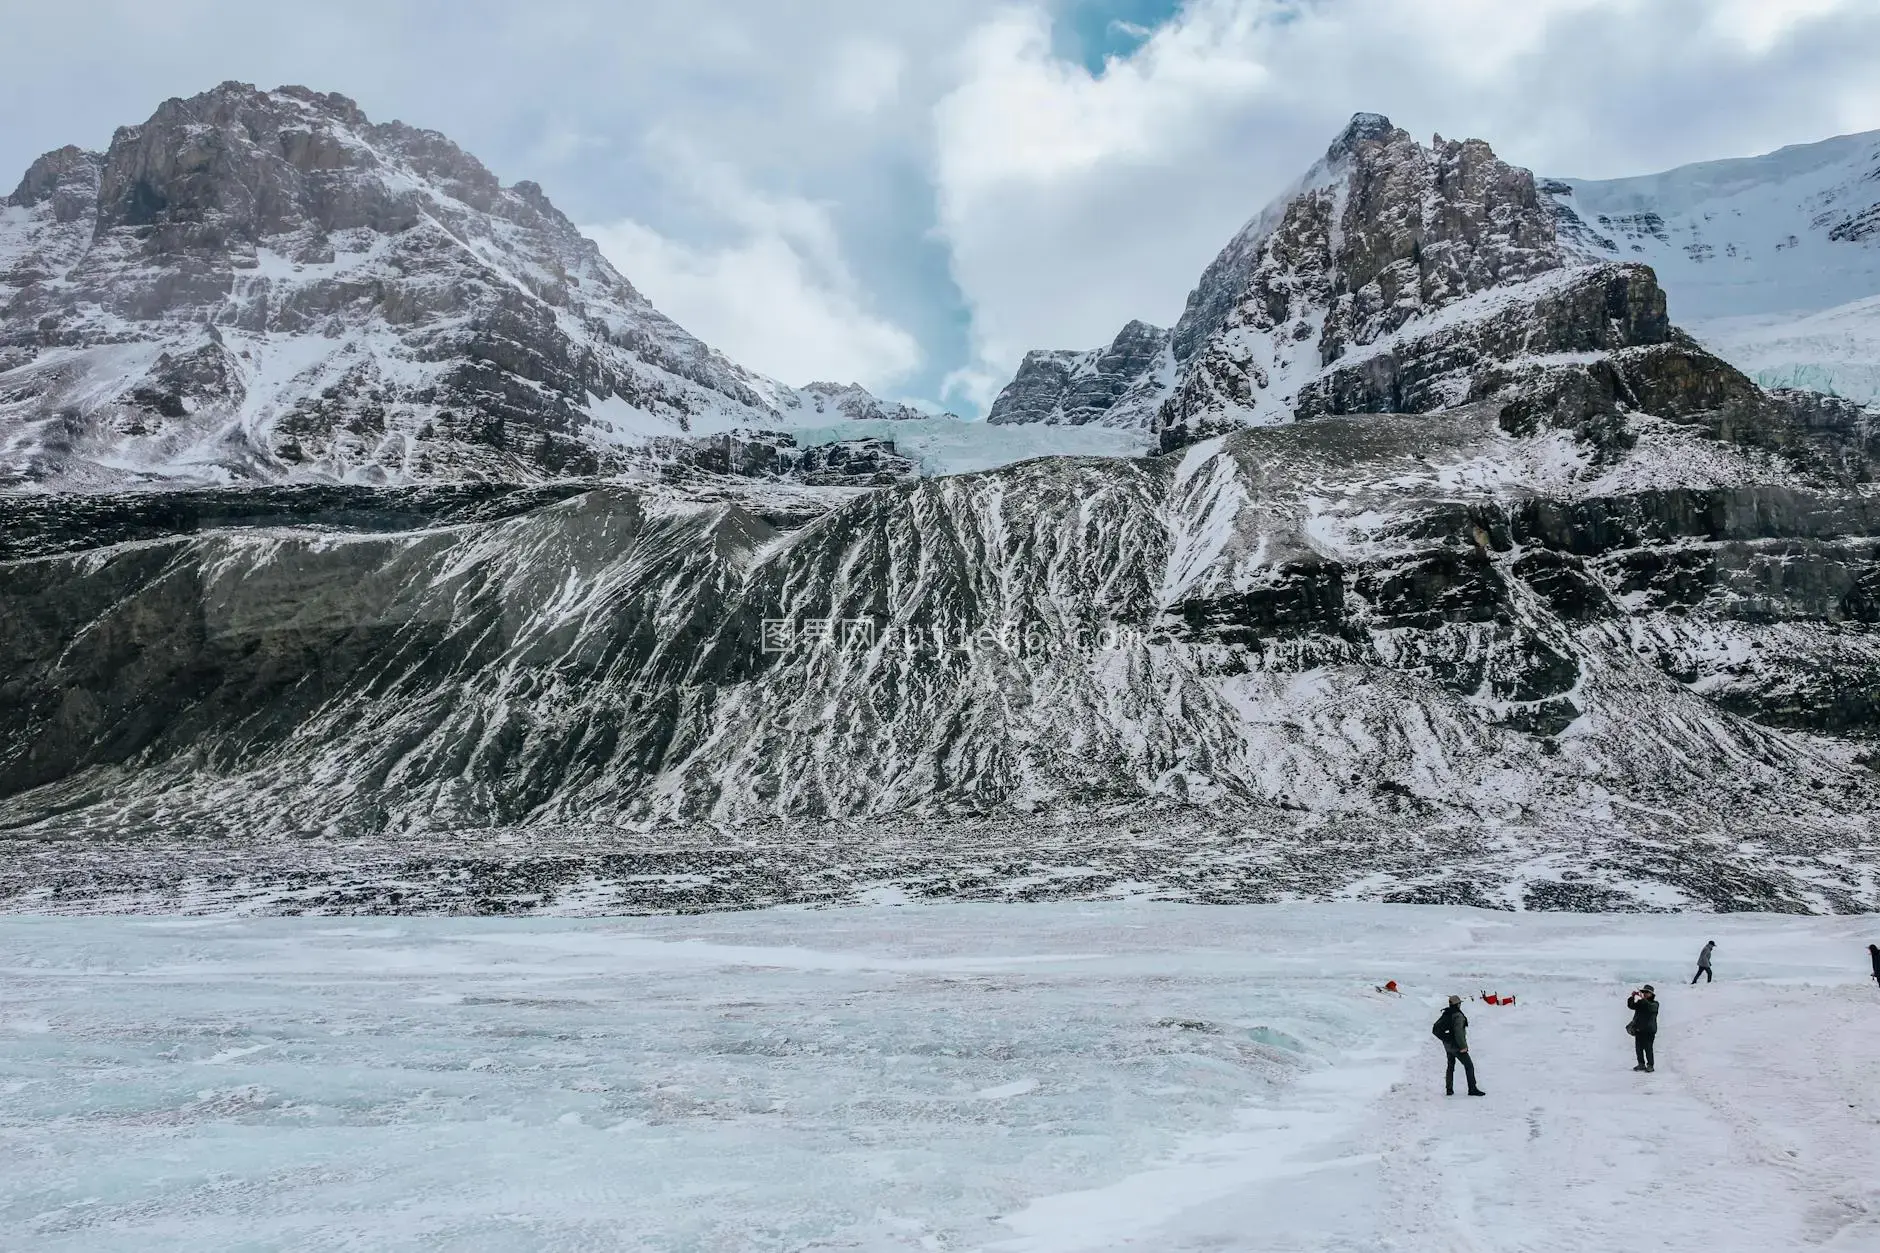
(1120, 385)
(266, 285)
(1384, 237)
(776, 455)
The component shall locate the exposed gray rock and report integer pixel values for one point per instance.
(776, 455)
(1036, 393)
(1228, 275)
(1115, 386)
(1384, 235)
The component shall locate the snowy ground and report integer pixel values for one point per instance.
(1023, 1078)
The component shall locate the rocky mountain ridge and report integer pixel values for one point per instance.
(265, 286)
(849, 402)
(1121, 385)
(1383, 236)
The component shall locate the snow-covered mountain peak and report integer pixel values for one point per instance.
(851, 402)
(1362, 127)
(258, 285)
(1381, 232)
(1125, 383)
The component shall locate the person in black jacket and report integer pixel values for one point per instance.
(1873, 951)
(1452, 1028)
(1644, 1026)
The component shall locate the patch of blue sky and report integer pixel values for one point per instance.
(1091, 32)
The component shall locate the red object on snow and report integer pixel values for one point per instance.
(1490, 998)
(1507, 1000)
(1391, 986)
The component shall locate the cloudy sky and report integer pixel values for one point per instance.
(911, 193)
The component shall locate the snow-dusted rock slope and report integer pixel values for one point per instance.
(1560, 618)
(265, 285)
(1772, 261)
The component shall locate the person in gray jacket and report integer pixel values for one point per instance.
(1644, 1027)
(1703, 965)
(1452, 1028)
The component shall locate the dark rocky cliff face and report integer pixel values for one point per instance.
(1547, 620)
(1228, 275)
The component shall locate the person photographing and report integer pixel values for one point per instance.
(1644, 1026)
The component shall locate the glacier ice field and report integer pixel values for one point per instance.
(1110, 1075)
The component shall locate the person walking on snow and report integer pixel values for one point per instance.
(1644, 1027)
(1873, 951)
(1452, 1028)
(1703, 965)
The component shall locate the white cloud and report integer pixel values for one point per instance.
(975, 386)
(1761, 24)
(562, 142)
(1072, 201)
(777, 298)
(864, 76)
(1024, 115)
